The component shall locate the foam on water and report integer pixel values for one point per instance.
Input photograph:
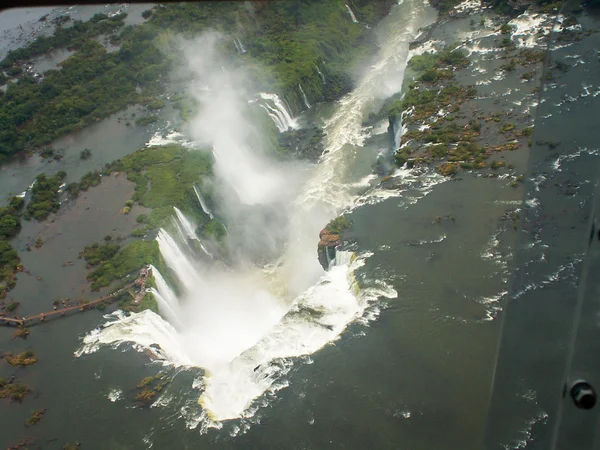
(115, 394)
(526, 28)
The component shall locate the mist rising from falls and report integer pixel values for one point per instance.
(244, 323)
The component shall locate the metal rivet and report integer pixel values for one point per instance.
(583, 395)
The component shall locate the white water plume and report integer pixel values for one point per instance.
(245, 324)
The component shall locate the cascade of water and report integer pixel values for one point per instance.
(187, 226)
(177, 260)
(240, 320)
(187, 230)
(352, 16)
(239, 46)
(306, 103)
(165, 291)
(278, 112)
(320, 74)
(166, 310)
(202, 202)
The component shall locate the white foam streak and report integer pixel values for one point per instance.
(304, 98)
(352, 16)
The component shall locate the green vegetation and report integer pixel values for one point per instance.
(447, 169)
(443, 137)
(12, 306)
(36, 416)
(507, 126)
(146, 120)
(445, 5)
(526, 132)
(26, 358)
(9, 259)
(15, 391)
(96, 254)
(145, 382)
(510, 66)
(286, 43)
(338, 225)
(44, 196)
(165, 177)
(21, 332)
(71, 37)
(87, 181)
(506, 28)
(9, 218)
(128, 260)
(428, 101)
(151, 387)
(85, 154)
(39, 242)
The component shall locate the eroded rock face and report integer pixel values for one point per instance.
(326, 248)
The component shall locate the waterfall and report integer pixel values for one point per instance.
(398, 127)
(320, 74)
(186, 225)
(352, 16)
(187, 230)
(202, 202)
(278, 112)
(165, 291)
(166, 310)
(239, 46)
(328, 256)
(304, 96)
(247, 324)
(177, 260)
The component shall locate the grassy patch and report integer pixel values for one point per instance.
(36, 416)
(26, 358)
(128, 260)
(15, 391)
(338, 225)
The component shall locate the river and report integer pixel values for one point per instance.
(393, 347)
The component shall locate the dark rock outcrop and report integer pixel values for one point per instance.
(326, 248)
